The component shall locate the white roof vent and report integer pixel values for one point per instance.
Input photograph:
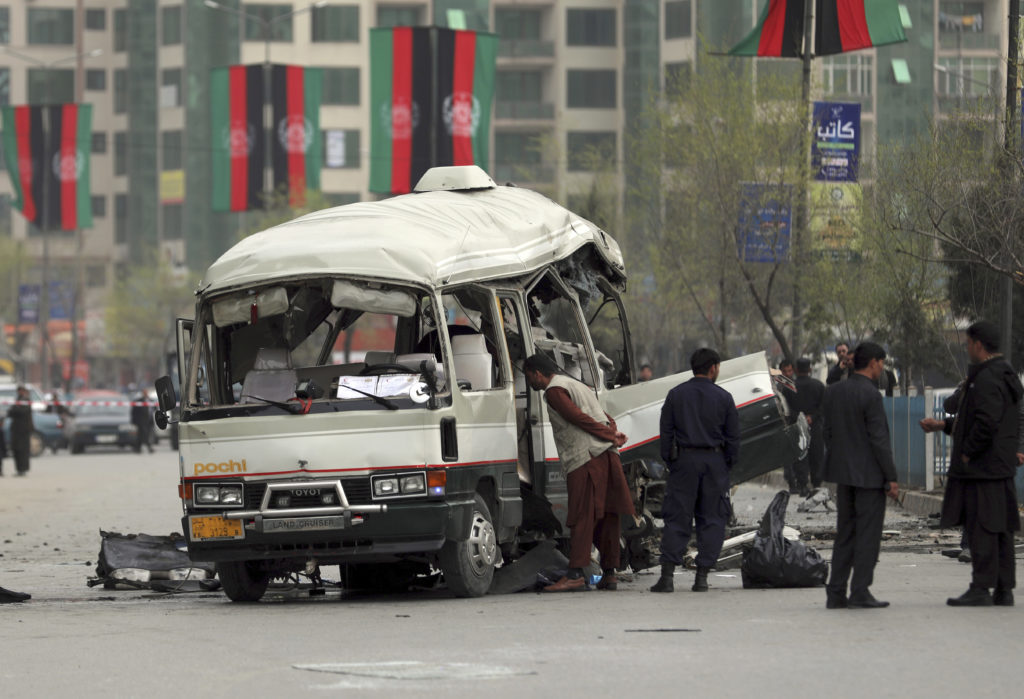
(454, 177)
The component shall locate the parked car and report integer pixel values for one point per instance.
(103, 421)
(49, 426)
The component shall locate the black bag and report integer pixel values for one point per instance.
(774, 561)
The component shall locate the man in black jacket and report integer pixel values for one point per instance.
(20, 417)
(980, 493)
(809, 396)
(860, 463)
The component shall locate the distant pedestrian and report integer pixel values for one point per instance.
(646, 373)
(700, 440)
(810, 393)
(142, 418)
(787, 389)
(3, 445)
(786, 369)
(980, 494)
(587, 440)
(859, 461)
(844, 364)
(20, 417)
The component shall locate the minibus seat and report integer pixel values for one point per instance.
(271, 378)
(379, 357)
(472, 361)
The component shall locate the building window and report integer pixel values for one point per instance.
(590, 27)
(170, 87)
(588, 150)
(171, 141)
(277, 21)
(120, 91)
(519, 86)
(120, 30)
(99, 141)
(172, 222)
(5, 215)
(51, 26)
(170, 25)
(51, 85)
(678, 20)
(848, 74)
(95, 79)
(341, 86)
(95, 275)
(517, 24)
(399, 15)
(517, 156)
(968, 77)
(341, 148)
(677, 76)
(335, 23)
(120, 153)
(5, 25)
(99, 206)
(594, 89)
(121, 218)
(96, 20)
(5, 86)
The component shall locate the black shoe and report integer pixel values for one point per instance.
(974, 597)
(1002, 598)
(9, 596)
(865, 601)
(951, 553)
(664, 583)
(608, 581)
(700, 583)
(964, 556)
(835, 601)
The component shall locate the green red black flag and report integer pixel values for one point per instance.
(239, 152)
(840, 26)
(48, 159)
(296, 153)
(430, 102)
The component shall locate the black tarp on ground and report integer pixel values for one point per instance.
(774, 561)
(151, 562)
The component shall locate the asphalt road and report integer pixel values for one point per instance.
(73, 640)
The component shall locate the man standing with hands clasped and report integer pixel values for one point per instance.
(700, 442)
(587, 440)
(860, 463)
(980, 493)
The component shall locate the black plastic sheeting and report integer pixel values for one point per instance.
(150, 562)
(774, 561)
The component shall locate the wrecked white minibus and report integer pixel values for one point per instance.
(419, 451)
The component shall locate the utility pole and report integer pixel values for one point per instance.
(1012, 151)
(798, 236)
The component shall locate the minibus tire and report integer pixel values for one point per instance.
(242, 581)
(468, 565)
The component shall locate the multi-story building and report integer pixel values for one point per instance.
(573, 78)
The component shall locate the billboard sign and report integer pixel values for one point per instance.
(765, 221)
(835, 146)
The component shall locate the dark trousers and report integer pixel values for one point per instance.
(815, 458)
(697, 489)
(590, 522)
(993, 562)
(21, 457)
(861, 513)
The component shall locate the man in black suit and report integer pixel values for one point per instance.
(860, 463)
(809, 395)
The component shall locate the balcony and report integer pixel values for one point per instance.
(526, 48)
(968, 41)
(524, 110)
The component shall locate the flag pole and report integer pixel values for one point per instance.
(1011, 146)
(799, 233)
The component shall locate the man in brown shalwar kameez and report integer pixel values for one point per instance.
(586, 439)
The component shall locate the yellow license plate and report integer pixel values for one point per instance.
(204, 528)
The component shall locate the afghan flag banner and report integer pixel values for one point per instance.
(849, 25)
(239, 151)
(465, 88)
(297, 149)
(48, 151)
(779, 32)
(401, 99)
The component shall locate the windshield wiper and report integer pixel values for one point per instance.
(376, 399)
(293, 408)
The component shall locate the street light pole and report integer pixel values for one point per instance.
(43, 312)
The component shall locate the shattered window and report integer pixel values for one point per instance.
(556, 329)
(604, 318)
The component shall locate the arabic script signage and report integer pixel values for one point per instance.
(764, 222)
(835, 148)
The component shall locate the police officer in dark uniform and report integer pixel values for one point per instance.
(700, 439)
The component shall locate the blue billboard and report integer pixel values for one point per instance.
(61, 300)
(835, 142)
(765, 222)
